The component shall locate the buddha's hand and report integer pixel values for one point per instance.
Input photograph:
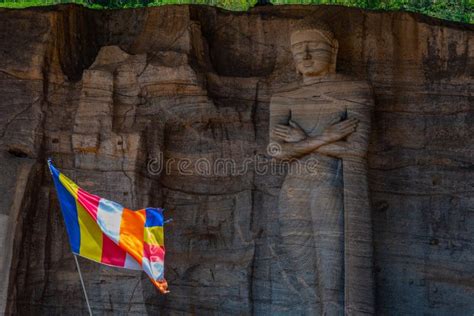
(291, 133)
(340, 130)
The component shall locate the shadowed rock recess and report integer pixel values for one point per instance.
(104, 93)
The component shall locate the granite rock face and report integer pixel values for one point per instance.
(115, 97)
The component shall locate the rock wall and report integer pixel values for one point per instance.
(113, 95)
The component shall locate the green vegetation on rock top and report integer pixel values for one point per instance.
(454, 10)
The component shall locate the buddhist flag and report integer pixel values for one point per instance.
(108, 233)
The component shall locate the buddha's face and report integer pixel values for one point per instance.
(312, 53)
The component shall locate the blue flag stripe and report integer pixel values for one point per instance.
(69, 210)
(154, 217)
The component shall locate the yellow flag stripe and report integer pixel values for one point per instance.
(70, 186)
(91, 235)
(154, 235)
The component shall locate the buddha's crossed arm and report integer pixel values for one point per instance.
(291, 139)
(360, 107)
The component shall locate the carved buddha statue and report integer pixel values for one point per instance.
(325, 243)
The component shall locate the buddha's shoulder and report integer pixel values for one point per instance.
(287, 90)
(336, 82)
(350, 82)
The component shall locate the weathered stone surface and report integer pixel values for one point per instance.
(105, 92)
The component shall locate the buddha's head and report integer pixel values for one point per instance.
(314, 49)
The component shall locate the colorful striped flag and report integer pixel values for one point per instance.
(108, 233)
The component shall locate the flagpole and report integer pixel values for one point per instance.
(82, 283)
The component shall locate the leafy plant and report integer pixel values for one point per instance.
(454, 10)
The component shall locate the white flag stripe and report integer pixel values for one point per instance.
(109, 217)
(153, 269)
(131, 263)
